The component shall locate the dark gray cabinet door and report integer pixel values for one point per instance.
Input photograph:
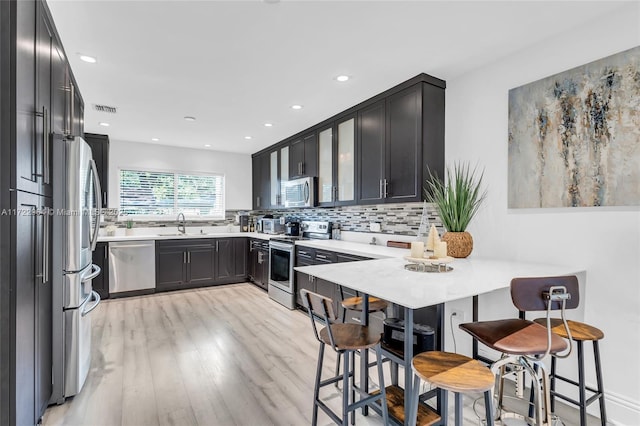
(302, 282)
(171, 266)
(261, 182)
(303, 157)
(201, 264)
(296, 158)
(44, 48)
(33, 306)
(231, 260)
(100, 150)
(100, 257)
(223, 259)
(404, 146)
(59, 90)
(239, 259)
(371, 141)
(26, 153)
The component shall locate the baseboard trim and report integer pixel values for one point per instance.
(621, 410)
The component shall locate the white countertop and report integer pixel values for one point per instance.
(159, 235)
(358, 249)
(387, 278)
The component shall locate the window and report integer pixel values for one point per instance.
(157, 194)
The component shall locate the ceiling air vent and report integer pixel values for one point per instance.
(105, 108)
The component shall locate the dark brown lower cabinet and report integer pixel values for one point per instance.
(101, 258)
(200, 262)
(230, 260)
(258, 268)
(184, 263)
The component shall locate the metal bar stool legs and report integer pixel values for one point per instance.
(579, 333)
(583, 401)
(344, 339)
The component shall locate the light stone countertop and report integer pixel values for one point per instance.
(387, 278)
(358, 249)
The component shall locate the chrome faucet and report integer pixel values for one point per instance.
(181, 223)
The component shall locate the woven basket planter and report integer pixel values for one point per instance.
(459, 244)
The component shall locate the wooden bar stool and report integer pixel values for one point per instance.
(455, 373)
(345, 339)
(580, 333)
(355, 303)
(525, 343)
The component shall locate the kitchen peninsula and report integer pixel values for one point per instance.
(388, 279)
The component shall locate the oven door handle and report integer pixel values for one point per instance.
(281, 246)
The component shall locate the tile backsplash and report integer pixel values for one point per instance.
(399, 219)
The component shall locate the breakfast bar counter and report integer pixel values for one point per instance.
(389, 280)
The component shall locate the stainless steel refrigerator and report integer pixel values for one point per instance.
(76, 217)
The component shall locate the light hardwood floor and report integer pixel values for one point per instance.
(224, 355)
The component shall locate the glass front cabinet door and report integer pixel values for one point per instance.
(336, 163)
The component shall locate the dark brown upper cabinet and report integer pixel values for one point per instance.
(303, 157)
(400, 138)
(378, 151)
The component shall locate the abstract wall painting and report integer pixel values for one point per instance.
(574, 137)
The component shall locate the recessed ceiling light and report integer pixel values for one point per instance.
(104, 124)
(189, 118)
(268, 125)
(296, 106)
(247, 137)
(87, 58)
(155, 139)
(342, 78)
(207, 145)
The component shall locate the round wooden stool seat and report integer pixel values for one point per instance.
(453, 372)
(351, 336)
(355, 304)
(579, 330)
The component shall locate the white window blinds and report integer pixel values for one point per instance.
(157, 194)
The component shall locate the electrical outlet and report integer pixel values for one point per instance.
(458, 314)
(374, 227)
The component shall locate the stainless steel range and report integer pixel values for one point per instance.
(282, 260)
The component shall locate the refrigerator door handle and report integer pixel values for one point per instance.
(98, 194)
(96, 298)
(95, 271)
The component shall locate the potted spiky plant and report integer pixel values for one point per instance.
(457, 201)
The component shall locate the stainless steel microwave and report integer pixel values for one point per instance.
(300, 192)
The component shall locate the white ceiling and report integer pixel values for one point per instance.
(235, 65)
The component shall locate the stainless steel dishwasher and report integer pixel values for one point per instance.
(132, 266)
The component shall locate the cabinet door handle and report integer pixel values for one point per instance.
(72, 97)
(216, 245)
(45, 248)
(45, 148)
(386, 188)
(104, 199)
(321, 256)
(184, 257)
(258, 201)
(336, 193)
(381, 189)
(188, 257)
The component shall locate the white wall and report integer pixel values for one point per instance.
(235, 167)
(604, 241)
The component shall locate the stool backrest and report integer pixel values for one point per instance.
(531, 294)
(547, 294)
(320, 308)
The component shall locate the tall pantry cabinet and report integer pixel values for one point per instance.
(37, 101)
